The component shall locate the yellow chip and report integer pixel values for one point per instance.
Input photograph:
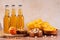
(50, 28)
(38, 26)
(39, 21)
(45, 24)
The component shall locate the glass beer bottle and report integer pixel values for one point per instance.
(20, 21)
(6, 19)
(13, 19)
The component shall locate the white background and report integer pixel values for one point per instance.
(47, 10)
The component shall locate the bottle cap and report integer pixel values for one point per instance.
(13, 5)
(6, 5)
(20, 5)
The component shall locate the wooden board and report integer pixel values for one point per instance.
(14, 37)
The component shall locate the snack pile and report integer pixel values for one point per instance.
(40, 27)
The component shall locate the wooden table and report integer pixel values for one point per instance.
(57, 37)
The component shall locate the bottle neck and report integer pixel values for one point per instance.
(13, 12)
(20, 12)
(6, 12)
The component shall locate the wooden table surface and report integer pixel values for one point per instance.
(57, 37)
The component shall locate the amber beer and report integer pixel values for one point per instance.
(20, 19)
(6, 20)
(13, 19)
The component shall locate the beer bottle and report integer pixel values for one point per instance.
(6, 19)
(20, 22)
(13, 19)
